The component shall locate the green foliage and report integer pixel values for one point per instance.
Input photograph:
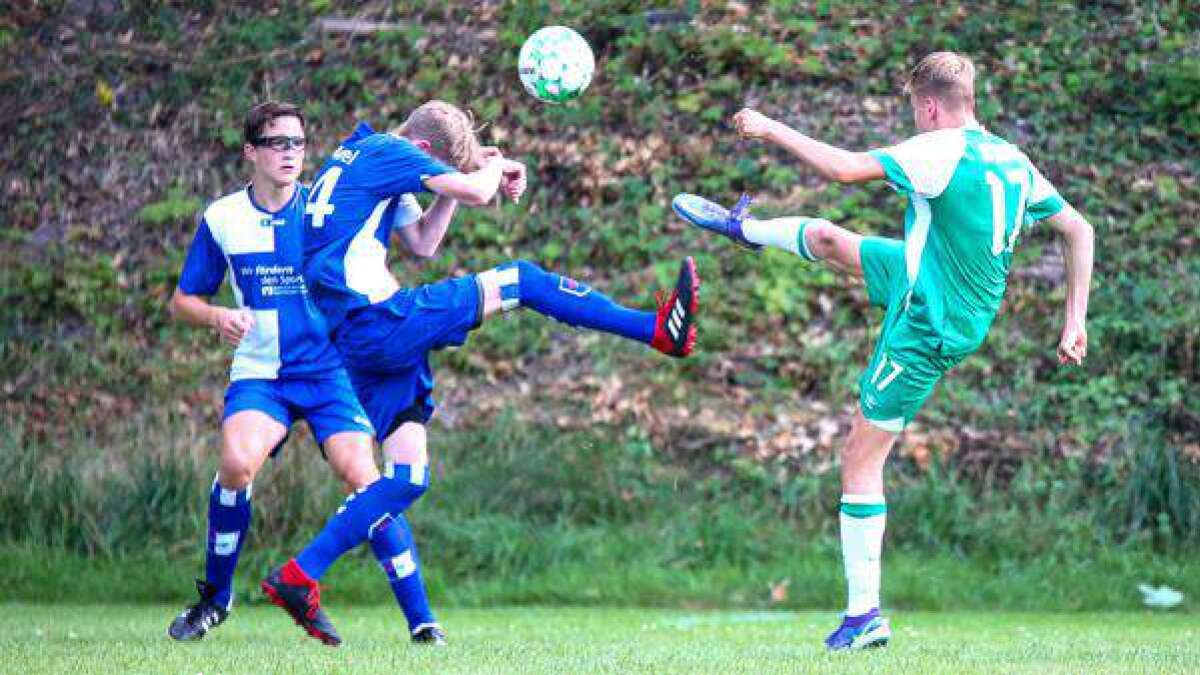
(176, 208)
(523, 514)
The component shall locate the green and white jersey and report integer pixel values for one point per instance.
(969, 192)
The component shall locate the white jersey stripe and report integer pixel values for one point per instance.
(365, 261)
(914, 241)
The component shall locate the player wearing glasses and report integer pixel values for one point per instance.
(284, 367)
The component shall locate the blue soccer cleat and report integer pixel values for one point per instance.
(860, 632)
(712, 216)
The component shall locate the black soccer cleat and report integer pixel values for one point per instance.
(300, 596)
(429, 634)
(675, 321)
(197, 619)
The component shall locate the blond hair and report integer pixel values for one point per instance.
(449, 131)
(946, 76)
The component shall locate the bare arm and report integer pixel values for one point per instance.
(836, 164)
(424, 236)
(1080, 240)
(232, 324)
(473, 189)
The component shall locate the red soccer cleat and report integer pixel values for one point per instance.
(300, 596)
(675, 325)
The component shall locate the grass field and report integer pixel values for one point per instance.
(97, 638)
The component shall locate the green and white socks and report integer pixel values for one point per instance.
(785, 234)
(863, 518)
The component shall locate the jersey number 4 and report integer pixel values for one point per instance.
(1020, 179)
(318, 205)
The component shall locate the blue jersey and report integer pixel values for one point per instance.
(263, 252)
(361, 194)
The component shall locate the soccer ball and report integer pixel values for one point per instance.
(556, 64)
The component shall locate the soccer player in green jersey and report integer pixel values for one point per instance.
(969, 195)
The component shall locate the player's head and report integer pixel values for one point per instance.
(274, 141)
(941, 89)
(444, 131)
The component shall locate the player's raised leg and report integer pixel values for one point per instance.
(863, 514)
(814, 239)
(671, 329)
(248, 436)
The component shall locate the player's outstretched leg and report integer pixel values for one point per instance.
(709, 215)
(671, 329)
(814, 239)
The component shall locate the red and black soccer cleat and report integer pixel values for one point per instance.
(300, 596)
(675, 325)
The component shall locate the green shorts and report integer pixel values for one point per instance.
(907, 361)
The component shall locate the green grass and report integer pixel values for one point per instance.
(927, 580)
(36, 638)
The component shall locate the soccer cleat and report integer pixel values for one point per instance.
(429, 634)
(300, 596)
(197, 619)
(712, 216)
(675, 324)
(860, 632)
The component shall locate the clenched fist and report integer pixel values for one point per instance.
(752, 124)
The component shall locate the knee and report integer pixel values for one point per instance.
(236, 471)
(358, 473)
(821, 237)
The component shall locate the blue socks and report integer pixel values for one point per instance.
(523, 283)
(364, 514)
(228, 521)
(393, 548)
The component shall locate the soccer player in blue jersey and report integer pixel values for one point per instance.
(362, 200)
(284, 367)
(969, 194)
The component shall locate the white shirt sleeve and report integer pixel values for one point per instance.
(408, 211)
(926, 161)
(1044, 200)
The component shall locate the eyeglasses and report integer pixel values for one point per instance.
(280, 143)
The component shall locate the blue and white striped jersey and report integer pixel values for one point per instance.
(263, 252)
(364, 191)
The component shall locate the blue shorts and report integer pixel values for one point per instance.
(386, 347)
(326, 402)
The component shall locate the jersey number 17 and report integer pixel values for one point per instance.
(1018, 178)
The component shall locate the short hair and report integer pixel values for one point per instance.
(946, 76)
(263, 114)
(449, 131)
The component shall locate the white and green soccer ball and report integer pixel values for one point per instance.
(556, 64)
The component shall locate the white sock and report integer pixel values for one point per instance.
(863, 518)
(786, 234)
